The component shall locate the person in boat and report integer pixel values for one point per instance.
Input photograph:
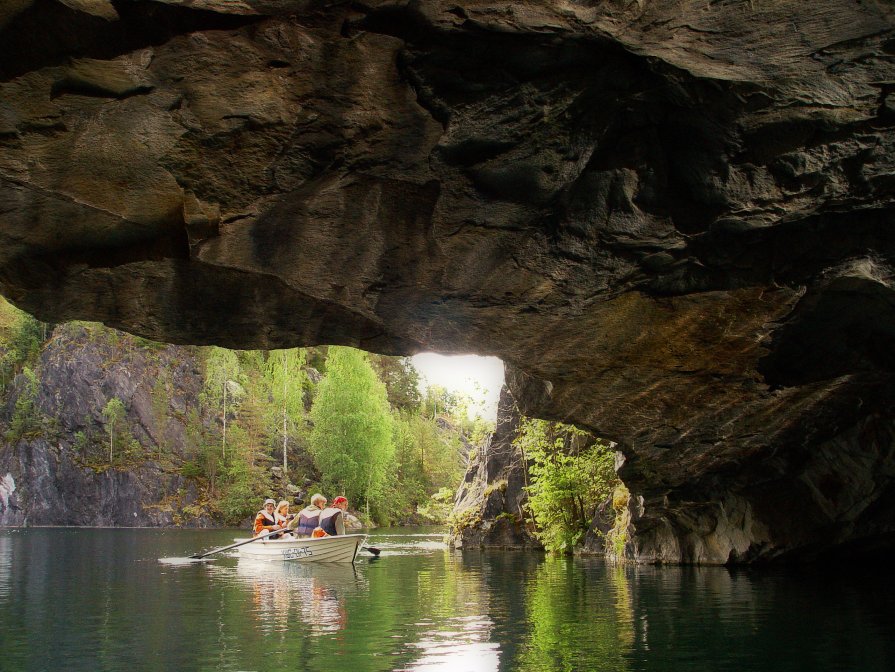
(309, 517)
(282, 514)
(265, 519)
(332, 519)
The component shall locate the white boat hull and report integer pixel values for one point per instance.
(340, 548)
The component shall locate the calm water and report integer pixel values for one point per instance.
(83, 599)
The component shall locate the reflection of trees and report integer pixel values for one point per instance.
(578, 621)
(105, 603)
(453, 623)
(437, 607)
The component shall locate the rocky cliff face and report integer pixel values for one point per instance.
(490, 505)
(671, 218)
(55, 471)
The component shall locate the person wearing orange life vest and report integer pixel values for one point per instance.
(265, 519)
(332, 519)
(309, 517)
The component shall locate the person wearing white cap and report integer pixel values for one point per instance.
(265, 520)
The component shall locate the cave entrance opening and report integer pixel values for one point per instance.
(475, 377)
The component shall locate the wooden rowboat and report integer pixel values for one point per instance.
(339, 548)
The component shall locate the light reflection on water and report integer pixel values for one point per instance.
(5, 567)
(462, 643)
(421, 606)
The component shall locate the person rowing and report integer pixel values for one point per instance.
(265, 519)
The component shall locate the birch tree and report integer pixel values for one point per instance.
(113, 413)
(286, 378)
(221, 366)
(352, 436)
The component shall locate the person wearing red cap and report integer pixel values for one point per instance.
(332, 519)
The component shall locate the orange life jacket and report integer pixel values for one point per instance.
(264, 522)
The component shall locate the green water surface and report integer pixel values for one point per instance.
(91, 599)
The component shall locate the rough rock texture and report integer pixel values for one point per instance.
(49, 476)
(42, 485)
(490, 504)
(672, 218)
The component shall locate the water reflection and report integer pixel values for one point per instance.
(720, 619)
(295, 595)
(459, 644)
(562, 591)
(107, 603)
(5, 567)
(410, 543)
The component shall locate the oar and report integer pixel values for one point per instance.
(372, 549)
(238, 543)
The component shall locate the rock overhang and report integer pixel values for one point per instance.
(672, 219)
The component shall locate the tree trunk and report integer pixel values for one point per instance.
(224, 433)
(285, 405)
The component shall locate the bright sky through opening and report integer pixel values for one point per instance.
(461, 373)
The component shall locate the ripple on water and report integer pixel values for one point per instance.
(105, 602)
(408, 544)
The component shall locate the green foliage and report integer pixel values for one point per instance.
(495, 486)
(439, 506)
(352, 436)
(221, 367)
(372, 438)
(408, 485)
(159, 399)
(439, 401)
(191, 470)
(25, 418)
(479, 430)
(81, 443)
(21, 337)
(570, 475)
(401, 382)
(239, 497)
(428, 459)
(285, 381)
(617, 537)
(113, 413)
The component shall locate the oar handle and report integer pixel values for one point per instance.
(239, 543)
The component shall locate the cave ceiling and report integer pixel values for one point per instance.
(671, 218)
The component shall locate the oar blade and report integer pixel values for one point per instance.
(181, 561)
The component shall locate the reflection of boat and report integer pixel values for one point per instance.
(338, 575)
(339, 548)
(313, 592)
